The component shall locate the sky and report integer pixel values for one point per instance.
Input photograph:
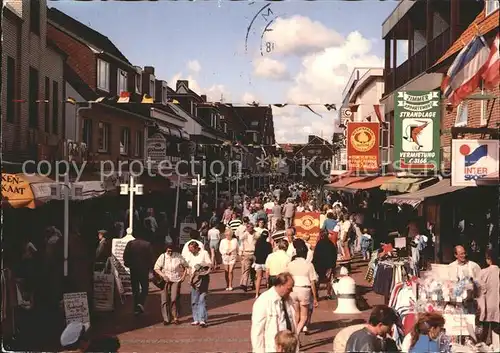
(314, 47)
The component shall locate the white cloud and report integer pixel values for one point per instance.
(299, 35)
(249, 98)
(271, 69)
(321, 80)
(194, 66)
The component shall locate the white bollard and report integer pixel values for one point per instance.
(345, 289)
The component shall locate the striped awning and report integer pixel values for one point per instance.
(414, 199)
(407, 184)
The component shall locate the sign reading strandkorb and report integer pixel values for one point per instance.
(473, 159)
(363, 146)
(417, 116)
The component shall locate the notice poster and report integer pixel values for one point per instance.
(472, 160)
(363, 147)
(76, 307)
(307, 226)
(104, 289)
(120, 271)
(460, 325)
(417, 116)
(185, 232)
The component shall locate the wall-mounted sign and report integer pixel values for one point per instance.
(417, 116)
(473, 159)
(363, 146)
(156, 147)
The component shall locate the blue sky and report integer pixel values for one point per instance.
(204, 41)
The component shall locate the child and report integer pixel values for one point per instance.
(286, 342)
(366, 244)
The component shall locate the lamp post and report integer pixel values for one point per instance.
(131, 190)
(229, 179)
(216, 179)
(237, 177)
(66, 191)
(198, 182)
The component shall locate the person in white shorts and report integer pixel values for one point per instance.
(229, 249)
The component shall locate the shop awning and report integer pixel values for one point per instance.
(406, 184)
(414, 199)
(489, 180)
(22, 190)
(369, 183)
(343, 183)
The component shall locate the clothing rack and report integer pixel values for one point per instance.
(389, 272)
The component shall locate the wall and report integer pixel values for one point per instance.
(474, 120)
(30, 49)
(71, 112)
(367, 98)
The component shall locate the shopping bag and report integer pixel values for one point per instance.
(104, 287)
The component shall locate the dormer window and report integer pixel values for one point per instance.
(152, 87)
(102, 75)
(122, 81)
(164, 93)
(138, 82)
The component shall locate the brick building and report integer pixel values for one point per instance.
(32, 84)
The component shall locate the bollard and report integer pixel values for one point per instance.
(345, 289)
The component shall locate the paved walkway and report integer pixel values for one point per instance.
(229, 321)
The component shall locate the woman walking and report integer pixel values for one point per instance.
(172, 267)
(228, 248)
(489, 280)
(325, 261)
(262, 249)
(213, 241)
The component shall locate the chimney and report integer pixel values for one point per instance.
(180, 83)
(204, 97)
(149, 70)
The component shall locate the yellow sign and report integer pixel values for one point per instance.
(17, 191)
(363, 139)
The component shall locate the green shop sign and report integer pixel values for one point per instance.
(417, 117)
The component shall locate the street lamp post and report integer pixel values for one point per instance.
(131, 190)
(198, 182)
(237, 178)
(216, 179)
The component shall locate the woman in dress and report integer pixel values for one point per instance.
(228, 248)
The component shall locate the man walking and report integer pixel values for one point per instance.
(272, 312)
(289, 212)
(247, 251)
(138, 257)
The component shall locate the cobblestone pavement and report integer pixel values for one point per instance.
(229, 321)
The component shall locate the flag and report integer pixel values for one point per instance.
(464, 75)
(124, 97)
(147, 99)
(175, 101)
(71, 100)
(42, 101)
(378, 112)
(309, 107)
(99, 100)
(330, 107)
(280, 105)
(491, 74)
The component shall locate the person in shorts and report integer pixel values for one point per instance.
(213, 243)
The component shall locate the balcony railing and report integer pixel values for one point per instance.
(417, 63)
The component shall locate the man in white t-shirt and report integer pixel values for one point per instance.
(462, 267)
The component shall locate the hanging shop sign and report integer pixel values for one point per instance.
(473, 159)
(417, 116)
(156, 147)
(363, 146)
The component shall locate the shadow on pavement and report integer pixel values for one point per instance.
(323, 326)
(220, 319)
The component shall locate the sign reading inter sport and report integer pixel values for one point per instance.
(417, 116)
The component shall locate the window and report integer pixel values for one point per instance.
(35, 16)
(33, 98)
(462, 114)
(46, 105)
(164, 94)
(491, 6)
(213, 120)
(11, 86)
(138, 82)
(103, 75)
(255, 137)
(152, 87)
(55, 107)
(125, 141)
(254, 123)
(122, 82)
(87, 133)
(104, 136)
(225, 128)
(138, 144)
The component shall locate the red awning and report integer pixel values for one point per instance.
(343, 182)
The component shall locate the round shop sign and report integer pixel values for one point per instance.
(362, 139)
(308, 222)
